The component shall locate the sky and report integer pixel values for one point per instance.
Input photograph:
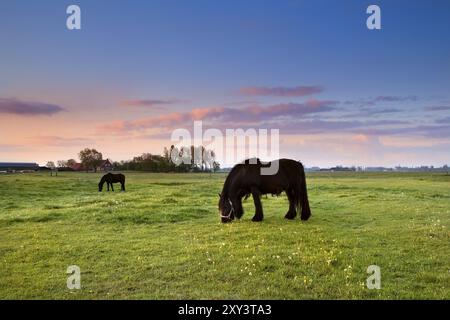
(339, 93)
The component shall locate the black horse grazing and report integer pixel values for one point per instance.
(245, 179)
(110, 178)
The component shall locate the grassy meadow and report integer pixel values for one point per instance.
(162, 239)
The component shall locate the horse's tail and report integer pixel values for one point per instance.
(123, 182)
(302, 195)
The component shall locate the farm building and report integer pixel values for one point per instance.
(77, 167)
(106, 165)
(18, 166)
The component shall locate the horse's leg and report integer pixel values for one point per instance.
(112, 187)
(292, 205)
(107, 185)
(258, 206)
(239, 210)
(122, 186)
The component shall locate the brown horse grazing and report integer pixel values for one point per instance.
(110, 178)
(245, 179)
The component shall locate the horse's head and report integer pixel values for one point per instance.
(100, 185)
(226, 209)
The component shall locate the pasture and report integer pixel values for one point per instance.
(162, 239)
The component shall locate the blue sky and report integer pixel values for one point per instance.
(387, 91)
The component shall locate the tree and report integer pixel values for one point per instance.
(216, 166)
(166, 154)
(202, 154)
(185, 159)
(51, 165)
(90, 158)
(70, 163)
(61, 163)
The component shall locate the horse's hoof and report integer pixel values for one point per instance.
(289, 216)
(257, 219)
(305, 215)
(304, 218)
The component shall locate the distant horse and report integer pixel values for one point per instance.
(110, 178)
(246, 178)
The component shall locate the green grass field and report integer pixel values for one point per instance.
(162, 239)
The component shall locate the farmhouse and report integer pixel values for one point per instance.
(18, 166)
(106, 165)
(77, 167)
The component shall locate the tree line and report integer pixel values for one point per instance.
(90, 159)
(173, 159)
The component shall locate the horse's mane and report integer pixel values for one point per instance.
(103, 179)
(229, 179)
(234, 171)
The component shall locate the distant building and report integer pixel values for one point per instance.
(18, 166)
(312, 169)
(77, 167)
(377, 169)
(338, 169)
(106, 165)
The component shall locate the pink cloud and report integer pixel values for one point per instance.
(161, 121)
(202, 113)
(360, 138)
(225, 116)
(117, 126)
(261, 113)
(59, 141)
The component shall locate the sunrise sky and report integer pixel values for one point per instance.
(339, 93)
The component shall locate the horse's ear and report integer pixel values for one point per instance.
(220, 196)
